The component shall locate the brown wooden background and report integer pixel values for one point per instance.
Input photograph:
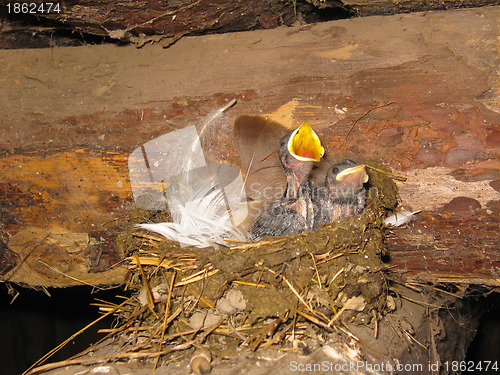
(418, 92)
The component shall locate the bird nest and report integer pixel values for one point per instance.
(255, 294)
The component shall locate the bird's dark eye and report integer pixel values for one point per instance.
(335, 170)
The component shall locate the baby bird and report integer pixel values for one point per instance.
(343, 195)
(294, 211)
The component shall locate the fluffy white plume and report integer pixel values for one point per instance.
(206, 201)
(202, 221)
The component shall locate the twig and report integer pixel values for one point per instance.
(421, 302)
(165, 324)
(201, 275)
(246, 283)
(375, 334)
(337, 315)
(258, 244)
(68, 276)
(301, 299)
(317, 272)
(359, 119)
(122, 328)
(312, 318)
(414, 339)
(200, 298)
(146, 285)
(259, 336)
(392, 175)
(331, 258)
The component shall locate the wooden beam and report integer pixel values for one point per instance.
(417, 92)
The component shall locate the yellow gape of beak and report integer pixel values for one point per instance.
(304, 144)
(355, 173)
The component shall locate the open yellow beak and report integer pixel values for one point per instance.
(354, 174)
(304, 144)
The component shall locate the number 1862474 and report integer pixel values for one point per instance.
(471, 366)
(33, 8)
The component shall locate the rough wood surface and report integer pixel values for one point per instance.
(123, 19)
(152, 21)
(417, 92)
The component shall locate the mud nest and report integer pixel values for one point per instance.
(255, 294)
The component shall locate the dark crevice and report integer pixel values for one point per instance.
(34, 323)
(29, 31)
(486, 344)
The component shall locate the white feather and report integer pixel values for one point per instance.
(202, 221)
(202, 199)
(400, 218)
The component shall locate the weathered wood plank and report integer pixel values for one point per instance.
(417, 92)
(43, 187)
(449, 247)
